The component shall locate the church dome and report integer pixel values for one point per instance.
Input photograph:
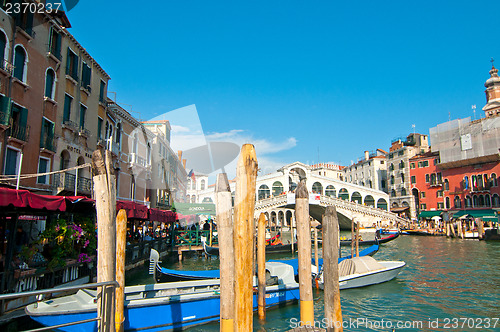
(494, 79)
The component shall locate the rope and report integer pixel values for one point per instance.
(27, 176)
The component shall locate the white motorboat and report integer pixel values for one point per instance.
(365, 271)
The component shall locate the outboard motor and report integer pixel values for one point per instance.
(154, 260)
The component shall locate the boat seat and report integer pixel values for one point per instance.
(358, 265)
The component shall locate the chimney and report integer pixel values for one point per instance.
(367, 155)
(183, 162)
(179, 154)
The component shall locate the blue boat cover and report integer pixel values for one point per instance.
(202, 273)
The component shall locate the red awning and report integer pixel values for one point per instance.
(164, 216)
(134, 210)
(26, 199)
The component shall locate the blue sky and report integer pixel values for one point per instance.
(297, 76)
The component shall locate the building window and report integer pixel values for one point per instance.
(468, 202)
(43, 167)
(383, 184)
(393, 193)
(11, 161)
(426, 163)
(390, 155)
(403, 192)
(83, 112)
(422, 194)
(457, 202)
(86, 76)
(495, 200)
(439, 178)
(50, 83)
(446, 185)
(72, 64)
(3, 49)
(423, 206)
(381, 162)
(68, 100)
(101, 91)
(465, 183)
(413, 179)
(47, 135)
(433, 179)
(412, 165)
(403, 178)
(20, 63)
(55, 43)
(401, 164)
(202, 185)
(392, 179)
(23, 18)
(439, 193)
(420, 164)
(118, 134)
(99, 127)
(400, 153)
(448, 203)
(440, 205)
(427, 178)
(493, 180)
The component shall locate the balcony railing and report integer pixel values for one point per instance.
(66, 182)
(7, 66)
(48, 142)
(84, 132)
(19, 132)
(135, 159)
(70, 124)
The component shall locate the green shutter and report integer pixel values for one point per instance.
(75, 67)
(5, 110)
(58, 46)
(68, 61)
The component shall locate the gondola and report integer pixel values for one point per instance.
(270, 249)
(162, 274)
(371, 242)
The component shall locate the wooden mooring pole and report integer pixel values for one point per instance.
(480, 228)
(261, 265)
(226, 252)
(333, 310)
(121, 239)
(304, 247)
(105, 204)
(352, 237)
(357, 239)
(244, 235)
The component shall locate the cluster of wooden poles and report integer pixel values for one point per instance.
(461, 228)
(236, 248)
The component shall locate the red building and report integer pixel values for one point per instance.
(426, 181)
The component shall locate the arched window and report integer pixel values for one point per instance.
(495, 200)
(64, 161)
(20, 63)
(481, 200)
(277, 188)
(457, 202)
(50, 83)
(207, 200)
(446, 185)
(448, 203)
(433, 178)
(487, 200)
(493, 180)
(3, 49)
(479, 182)
(393, 193)
(343, 194)
(317, 188)
(466, 182)
(202, 185)
(403, 177)
(392, 179)
(401, 164)
(403, 192)
(330, 191)
(468, 202)
(264, 192)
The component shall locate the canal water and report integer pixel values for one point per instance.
(447, 284)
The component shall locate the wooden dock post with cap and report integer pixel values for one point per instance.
(105, 204)
(226, 252)
(480, 228)
(357, 239)
(352, 237)
(261, 265)
(304, 247)
(244, 235)
(333, 310)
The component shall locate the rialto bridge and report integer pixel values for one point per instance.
(275, 196)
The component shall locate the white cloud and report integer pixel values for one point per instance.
(179, 129)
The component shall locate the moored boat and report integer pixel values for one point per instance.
(365, 271)
(161, 307)
(270, 249)
(371, 242)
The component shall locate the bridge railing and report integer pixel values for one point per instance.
(328, 200)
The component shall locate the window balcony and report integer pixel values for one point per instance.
(66, 182)
(135, 160)
(84, 132)
(68, 124)
(6, 67)
(19, 132)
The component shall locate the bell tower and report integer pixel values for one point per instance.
(492, 107)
